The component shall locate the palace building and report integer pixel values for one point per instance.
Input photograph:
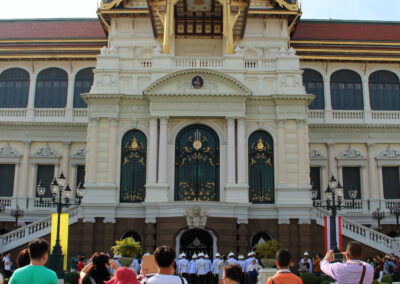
(199, 124)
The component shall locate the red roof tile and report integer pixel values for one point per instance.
(36, 29)
(353, 31)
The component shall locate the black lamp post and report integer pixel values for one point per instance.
(395, 211)
(378, 215)
(61, 199)
(17, 213)
(334, 199)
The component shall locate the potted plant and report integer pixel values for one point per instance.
(267, 252)
(127, 249)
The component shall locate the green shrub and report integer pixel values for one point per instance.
(387, 278)
(127, 248)
(268, 249)
(325, 282)
(376, 282)
(311, 278)
(71, 278)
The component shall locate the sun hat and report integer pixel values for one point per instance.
(124, 275)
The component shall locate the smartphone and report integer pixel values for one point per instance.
(338, 256)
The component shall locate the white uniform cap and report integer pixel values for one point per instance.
(231, 254)
(206, 255)
(250, 254)
(147, 253)
(183, 254)
(201, 254)
(217, 254)
(117, 255)
(306, 253)
(241, 256)
(194, 256)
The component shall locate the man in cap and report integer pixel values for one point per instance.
(306, 261)
(249, 260)
(209, 267)
(215, 270)
(193, 269)
(182, 266)
(242, 264)
(231, 258)
(202, 269)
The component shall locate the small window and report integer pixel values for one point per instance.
(315, 178)
(7, 180)
(351, 179)
(80, 175)
(391, 182)
(45, 173)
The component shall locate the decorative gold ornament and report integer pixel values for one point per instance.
(260, 145)
(134, 145)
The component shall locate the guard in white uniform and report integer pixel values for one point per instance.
(182, 266)
(209, 268)
(242, 264)
(215, 269)
(202, 269)
(231, 258)
(193, 269)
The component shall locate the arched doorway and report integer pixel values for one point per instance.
(133, 235)
(260, 238)
(197, 164)
(195, 241)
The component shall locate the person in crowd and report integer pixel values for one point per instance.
(74, 263)
(124, 275)
(252, 272)
(165, 260)
(370, 261)
(81, 263)
(193, 269)
(183, 266)
(23, 258)
(231, 274)
(97, 269)
(36, 272)
(215, 268)
(202, 269)
(388, 266)
(307, 262)
(135, 265)
(209, 268)
(7, 265)
(222, 264)
(353, 270)
(231, 258)
(316, 266)
(284, 275)
(242, 263)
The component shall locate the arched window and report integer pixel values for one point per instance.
(133, 167)
(83, 83)
(197, 164)
(51, 88)
(314, 85)
(346, 90)
(261, 168)
(260, 238)
(384, 91)
(14, 88)
(133, 235)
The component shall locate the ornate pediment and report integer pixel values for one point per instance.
(316, 155)
(109, 4)
(8, 152)
(46, 152)
(389, 154)
(79, 154)
(196, 217)
(350, 154)
(197, 82)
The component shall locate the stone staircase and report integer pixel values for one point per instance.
(24, 235)
(362, 234)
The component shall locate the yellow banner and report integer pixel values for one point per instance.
(64, 225)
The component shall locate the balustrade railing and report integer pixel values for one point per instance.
(5, 201)
(257, 63)
(190, 62)
(389, 203)
(50, 112)
(386, 115)
(353, 116)
(45, 203)
(12, 112)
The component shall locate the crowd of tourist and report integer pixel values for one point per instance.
(100, 268)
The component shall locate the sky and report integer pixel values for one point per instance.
(383, 10)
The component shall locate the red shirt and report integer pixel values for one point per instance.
(80, 266)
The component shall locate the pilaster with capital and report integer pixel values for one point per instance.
(331, 159)
(112, 148)
(281, 151)
(163, 151)
(373, 191)
(92, 150)
(23, 190)
(65, 164)
(231, 155)
(152, 166)
(301, 152)
(241, 151)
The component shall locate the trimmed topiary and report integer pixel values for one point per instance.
(71, 278)
(387, 278)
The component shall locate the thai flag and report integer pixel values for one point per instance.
(330, 232)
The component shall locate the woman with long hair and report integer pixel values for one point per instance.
(98, 271)
(23, 258)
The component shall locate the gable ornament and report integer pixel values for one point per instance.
(80, 154)
(350, 154)
(46, 152)
(196, 217)
(8, 152)
(316, 155)
(389, 154)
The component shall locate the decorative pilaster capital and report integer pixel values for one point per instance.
(94, 121)
(230, 120)
(67, 144)
(109, 220)
(300, 123)
(153, 121)
(27, 143)
(89, 220)
(330, 145)
(164, 120)
(241, 121)
(113, 121)
(370, 146)
(281, 123)
(304, 221)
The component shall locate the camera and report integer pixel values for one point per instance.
(338, 256)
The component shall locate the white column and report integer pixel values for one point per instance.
(324, 181)
(31, 96)
(231, 157)
(70, 93)
(339, 174)
(380, 184)
(34, 182)
(162, 152)
(281, 152)
(16, 180)
(112, 147)
(152, 168)
(65, 164)
(301, 152)
(23, 190)
(241, 151)
(92, 147)
(72, 180)
(327, 94)
(331, 159)
(373, 192)
(365, 86)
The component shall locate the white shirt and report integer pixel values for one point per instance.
(252, 267)
(166, 279)
(216, 263)
(182, 266)
(232, 260)
(6, 259)
(349, 272)
(242, 264)
(309, 262)
(202, 267)
(193, 266)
